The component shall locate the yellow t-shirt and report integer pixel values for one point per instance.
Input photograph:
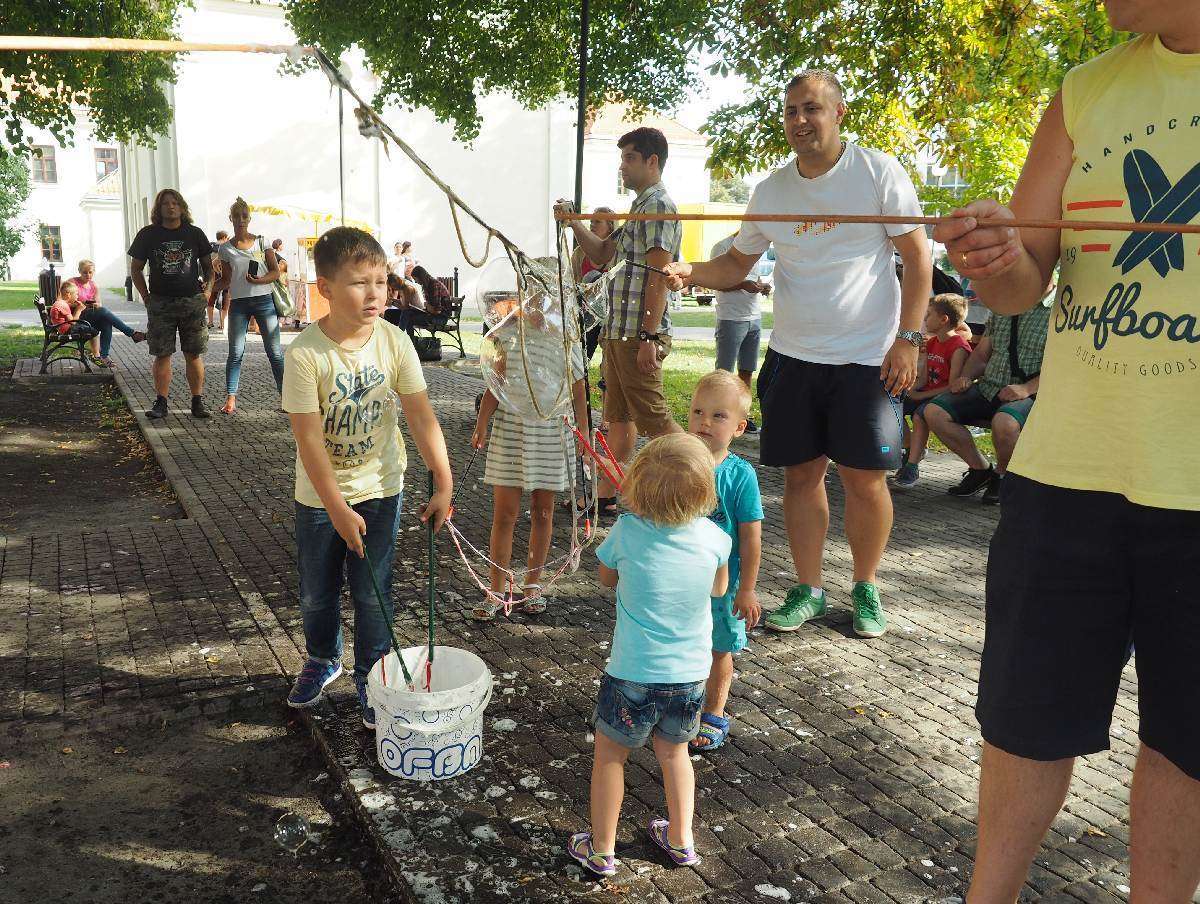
(353, 392)
(1119, 404)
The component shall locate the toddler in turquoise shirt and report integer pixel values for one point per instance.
(666, 560)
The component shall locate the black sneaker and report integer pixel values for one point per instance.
(198, 409)
(751, 427)
(158, 409)
(991, 496)
(973, 480)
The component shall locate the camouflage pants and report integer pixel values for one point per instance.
(166, 316)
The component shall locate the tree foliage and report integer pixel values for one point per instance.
(966, 77)
(444, 56)
(122, 92)
(729, 190)
(14, 190)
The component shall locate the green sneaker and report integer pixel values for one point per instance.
(798, 608)
(869, 620)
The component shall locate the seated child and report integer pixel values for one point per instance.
(946, 351)
(666, 560)
(720, 407)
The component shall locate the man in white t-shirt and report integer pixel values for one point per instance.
(739, 325)
(845, 340)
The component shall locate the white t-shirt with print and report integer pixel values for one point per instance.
(354, 391)
(837, 299)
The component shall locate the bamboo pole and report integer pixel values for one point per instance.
(48, 42)
(1075, 225)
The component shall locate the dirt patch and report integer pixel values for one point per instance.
(184, 813)
(72, 458)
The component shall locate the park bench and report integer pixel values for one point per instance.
(448, 322)
(59, 346)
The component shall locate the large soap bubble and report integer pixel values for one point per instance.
(530, 334)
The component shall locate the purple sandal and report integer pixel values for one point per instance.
(680, 856)
(579, 846)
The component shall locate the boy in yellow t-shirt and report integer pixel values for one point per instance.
(342, 377)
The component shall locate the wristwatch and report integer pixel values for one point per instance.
(647, 337)
(916, 337)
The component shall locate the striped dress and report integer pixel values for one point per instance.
(523, 451)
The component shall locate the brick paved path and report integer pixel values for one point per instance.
(850, 774)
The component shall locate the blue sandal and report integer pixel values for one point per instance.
(714, 729)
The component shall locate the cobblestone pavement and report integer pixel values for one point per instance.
(849, 776)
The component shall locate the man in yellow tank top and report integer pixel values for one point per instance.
(1098, 544)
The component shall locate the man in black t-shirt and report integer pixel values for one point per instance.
(181, 276)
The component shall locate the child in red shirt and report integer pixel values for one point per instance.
(946, 351)
(91, 322)
(66, 307)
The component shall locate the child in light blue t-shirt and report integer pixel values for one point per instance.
(720, 406)
(666, 560)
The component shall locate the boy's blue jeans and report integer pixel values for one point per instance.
(323, 559)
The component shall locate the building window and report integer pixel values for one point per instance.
(44, 167)
(949, 178)
(106, 161)
(52, 243)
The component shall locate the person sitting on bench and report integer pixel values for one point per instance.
(89, 322)
(422, 302)
(998, 385)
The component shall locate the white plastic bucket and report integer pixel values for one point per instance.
(435, 734)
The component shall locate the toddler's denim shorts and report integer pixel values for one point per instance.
(627, 712)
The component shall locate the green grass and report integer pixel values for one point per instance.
(16, 296)
(19, 342)
(695, 315)
(690, 359)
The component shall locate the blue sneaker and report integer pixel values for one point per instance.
(368, 712)
(316, 675)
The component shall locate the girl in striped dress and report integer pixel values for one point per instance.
(526, 455)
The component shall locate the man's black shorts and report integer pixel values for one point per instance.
(837, 410)
(1073, 577)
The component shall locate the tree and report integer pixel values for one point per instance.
(122, 92)
(730, 190)
(444, 56)
(14, 191)
(966, 77)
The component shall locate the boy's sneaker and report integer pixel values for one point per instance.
(908, 475)
(316, 675)
(158, 409)
(869, 620)
(991, 496)
(798, 608)
(368, 711)
(579, 846)
(973, 480)
(198, 409)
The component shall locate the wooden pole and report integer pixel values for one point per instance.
(47, 42)
(1075, 225)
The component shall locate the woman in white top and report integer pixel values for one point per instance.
(250, 269)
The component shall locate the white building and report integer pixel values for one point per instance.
(242, 128)
(686, 174)
(74, 208)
